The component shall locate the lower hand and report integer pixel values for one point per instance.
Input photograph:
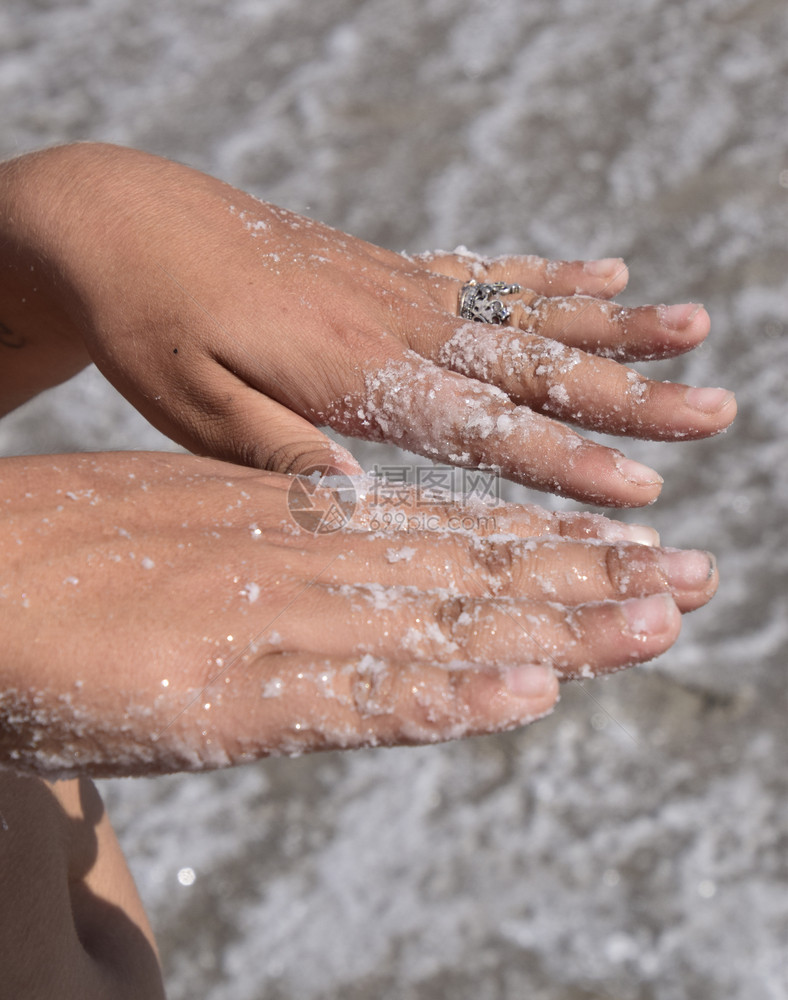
(167, 613)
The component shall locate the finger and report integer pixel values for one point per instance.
(595, 393)
(603, 278)
(395, 509)
(404, 625)
(305, 704)
(566, 571)
(587, 322)
(464, 422)
(579, 525)
(495, 666)
(631, 334)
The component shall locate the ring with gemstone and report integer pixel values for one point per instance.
(481, 302)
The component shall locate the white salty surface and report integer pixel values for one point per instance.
(635, 844)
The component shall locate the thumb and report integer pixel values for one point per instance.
(263, 434)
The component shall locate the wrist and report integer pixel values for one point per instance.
(41, 328)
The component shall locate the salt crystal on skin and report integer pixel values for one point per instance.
(504, 424)
(636, 387)
(273, 688)
(405, 554)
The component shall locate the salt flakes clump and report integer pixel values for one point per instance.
(557, 394)
(506, 358)
(253, 226)
(504, 424)
(404, 554)
(418, 406)
(472, 351)
(637, 387)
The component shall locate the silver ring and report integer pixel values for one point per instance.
(480, 302)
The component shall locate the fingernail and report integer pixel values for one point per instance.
(615, 531)
(691, 568)
(680, 316)
(708, 400)
(639, 474)
(604, 267)
(647, 615)
(530, 681)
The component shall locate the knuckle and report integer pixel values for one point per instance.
(618, 319)
(456, 634)
(495, 561)
(633, 570)
(540, 365)
(375, 689)
(533, 311)
(413, 704)
(449, 704)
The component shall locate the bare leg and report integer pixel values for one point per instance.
(71, 922)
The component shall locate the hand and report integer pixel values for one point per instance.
(167, 613)
(236, 327)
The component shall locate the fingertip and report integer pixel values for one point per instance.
(641, 483)
(731, 409)
(638, 474)
(688, 319)
(531, 681)
(612, 272)
(692, 576)
(711, 400)
(532, 690)
(496, 700)
(700, 326)
(617, 531)
(656, 617)
(613, 481)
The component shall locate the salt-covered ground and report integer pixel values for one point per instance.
(634, 846)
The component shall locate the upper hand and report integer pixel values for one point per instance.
(236, 327)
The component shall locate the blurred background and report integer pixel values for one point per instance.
(634, 846)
